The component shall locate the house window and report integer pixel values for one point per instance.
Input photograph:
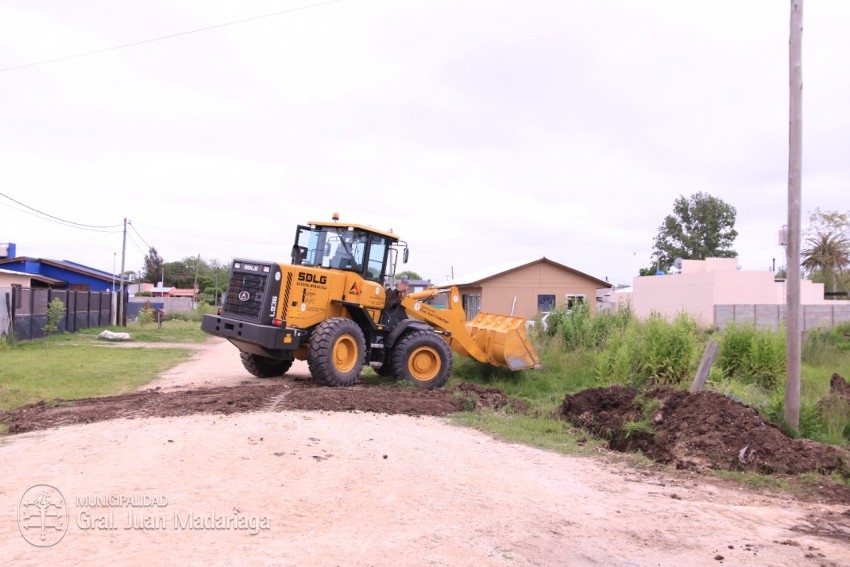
(573, 299)
(545, 303)
(471, 304)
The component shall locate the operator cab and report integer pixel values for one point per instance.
(348, 247)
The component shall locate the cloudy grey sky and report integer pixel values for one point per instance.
(480, 131)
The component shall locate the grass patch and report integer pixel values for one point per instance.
(78, 365)
(172, 331)
(31, 372)
(755, 481)
(807, 484)
(538, 432)
(564, 372)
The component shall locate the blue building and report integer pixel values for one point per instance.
(62, 274)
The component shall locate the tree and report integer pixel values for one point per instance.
(410, 275)
(828, 222)
(827, 254)
(182, 273)
(700, 227)
(153, 266)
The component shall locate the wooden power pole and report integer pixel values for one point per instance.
(795, 167)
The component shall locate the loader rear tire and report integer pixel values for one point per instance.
(337, 350)
(262, 367)
(423, 358)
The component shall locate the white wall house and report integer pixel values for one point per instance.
(713, 289)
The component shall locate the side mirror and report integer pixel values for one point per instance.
(405, 255)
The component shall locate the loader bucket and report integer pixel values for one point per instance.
(504, 340)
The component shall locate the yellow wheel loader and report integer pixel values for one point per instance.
(337, 307)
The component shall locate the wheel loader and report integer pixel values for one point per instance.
(337, 306)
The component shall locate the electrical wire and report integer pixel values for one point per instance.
(137, 245)
(51, 218)
(164, 37)
(139, 235)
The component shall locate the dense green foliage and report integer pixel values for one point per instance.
(750, 355)
(55, 312)
(580, 350)
(651, 353)
(208, 276)
(152, 271)
(701, 226)
(826, 249)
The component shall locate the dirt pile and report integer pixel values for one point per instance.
(839, 387)
(288, 394)
(700, 432)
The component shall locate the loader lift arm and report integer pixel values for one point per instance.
(499, 340)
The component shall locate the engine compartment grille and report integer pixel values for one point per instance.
(246, 293)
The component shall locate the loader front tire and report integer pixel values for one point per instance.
(262, 367)
(337, 350)
(423, 358)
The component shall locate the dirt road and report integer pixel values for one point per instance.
(294, 487)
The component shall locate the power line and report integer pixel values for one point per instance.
(64, 222)
(137, 245)
(164, 37)
(140, 236)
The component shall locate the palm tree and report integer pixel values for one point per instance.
(828, 254)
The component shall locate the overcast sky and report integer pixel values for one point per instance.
(480, 131)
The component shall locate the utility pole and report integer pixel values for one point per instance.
(122, 316)
(195, 285)
(795, 167)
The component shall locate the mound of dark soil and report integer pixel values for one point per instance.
(838, 386)
(287, 394)
(701, 431)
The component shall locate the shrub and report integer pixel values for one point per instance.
(826, 346)
(834, 415)
(811, 426)
(146, 316)
(55, 312)
(665, 351)
(579, 329)
(749, 355)
(650, 353)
